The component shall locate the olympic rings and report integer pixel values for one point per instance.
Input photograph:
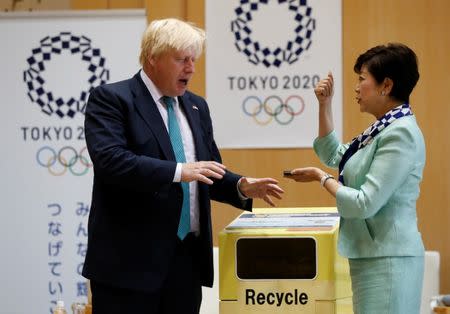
(67, 157)
(273, 107)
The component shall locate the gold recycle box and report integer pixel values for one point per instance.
(283, 260)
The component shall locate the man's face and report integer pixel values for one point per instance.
(172, 70)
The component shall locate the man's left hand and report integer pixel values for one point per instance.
(262, 188)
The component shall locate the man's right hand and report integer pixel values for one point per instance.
(202, 171)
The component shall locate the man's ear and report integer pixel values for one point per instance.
(151, 60)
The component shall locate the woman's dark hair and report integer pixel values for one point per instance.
(395, 61)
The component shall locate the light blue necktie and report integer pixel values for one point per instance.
(184, 225)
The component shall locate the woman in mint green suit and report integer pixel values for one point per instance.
(379, 175)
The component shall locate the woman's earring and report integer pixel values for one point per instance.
(382, 93)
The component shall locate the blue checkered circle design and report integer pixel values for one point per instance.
(80, 46)
(257, 54)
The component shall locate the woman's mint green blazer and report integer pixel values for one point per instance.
(378, 204)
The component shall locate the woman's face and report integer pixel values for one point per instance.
(368, 93)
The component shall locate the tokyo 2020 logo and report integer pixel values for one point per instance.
(34, 76)
(258, 53)
(52, 92)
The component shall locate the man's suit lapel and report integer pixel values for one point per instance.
(149, 111)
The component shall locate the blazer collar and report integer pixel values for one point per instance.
(146, 106)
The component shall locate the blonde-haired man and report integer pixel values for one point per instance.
(156, 168)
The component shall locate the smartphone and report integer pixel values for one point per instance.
(287, 173)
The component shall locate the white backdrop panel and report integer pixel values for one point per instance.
(263, 59)
(48, 61)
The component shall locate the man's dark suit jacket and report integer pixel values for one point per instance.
(135, 210)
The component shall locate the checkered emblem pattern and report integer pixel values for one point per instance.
(49, 102)
(275, 56)
(367, 136)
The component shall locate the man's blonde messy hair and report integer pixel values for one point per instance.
(171, 34)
